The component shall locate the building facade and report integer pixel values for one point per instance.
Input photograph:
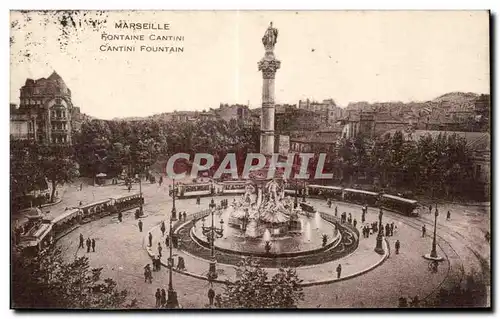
(46, 113)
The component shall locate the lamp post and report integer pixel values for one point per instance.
(433, 250)
(174, 211)
(378, 248)
(296, 201)
(212, 233)
(172, 301)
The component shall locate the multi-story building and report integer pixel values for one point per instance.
(238, 112)
(328, 110)
(46, 113)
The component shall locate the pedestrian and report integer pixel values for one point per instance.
(93, 245)
(180, 263)
(146, 269)
(159, 249)
(392, 229)
(150, 237)
(81, 241)
(335, 211)
(339, 270)
(198, 200)
(329, 201)
(80, 204)
(397, 246)
(185, 214)
(167, 241)
(88, 243)
(81, 186)
(363, 217)
(355, 222)
(211, 296)
(158, 298)
(163, 298)
(423, 231)
(120, 216)
(448, 215)
(162, 228)
(140, 225)
(387, 230)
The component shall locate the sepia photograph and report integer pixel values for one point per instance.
(218, 160)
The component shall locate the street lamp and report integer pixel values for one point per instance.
(172, 301)
(433, 250)
(212, 233)
(378, 248)
(174, 211)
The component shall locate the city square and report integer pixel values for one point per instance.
(373, 205)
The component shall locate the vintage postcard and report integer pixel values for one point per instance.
(250, 159)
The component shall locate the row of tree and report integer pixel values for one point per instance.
(440, 166)
(108, 146)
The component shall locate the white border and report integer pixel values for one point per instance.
(198, 5)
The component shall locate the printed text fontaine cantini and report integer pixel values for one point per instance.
(108, 47)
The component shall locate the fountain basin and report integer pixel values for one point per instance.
(308, 241)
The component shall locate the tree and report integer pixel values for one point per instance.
(57, 165)
(254, 290)
(46, 281)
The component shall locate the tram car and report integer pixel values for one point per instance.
(234, 187)
(360, 196)
(323, 191)
(399, 204)
(128, 202)
(195, 190)
(67, 220)
(38, 239)
(97, 209)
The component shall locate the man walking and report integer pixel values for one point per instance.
(162, 228)
(423, 231)
(163, 298)
(93, 245)
(211, 296)
(158, 298)
(339, 270)
(150, 237)
(159, 249)
(88, 243)
(397, 246)
(448, 215)
(140, 225)
(81, 241)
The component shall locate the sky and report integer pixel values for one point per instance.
(345, 55)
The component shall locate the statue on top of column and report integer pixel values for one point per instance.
(270, 37)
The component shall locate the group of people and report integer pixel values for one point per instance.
(224, 203)
(161, 298)
(89, 242)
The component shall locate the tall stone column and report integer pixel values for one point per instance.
(268, 65)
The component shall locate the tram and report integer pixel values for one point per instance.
(321, 191)
(399, 204)
(195, 190)
(128, 202)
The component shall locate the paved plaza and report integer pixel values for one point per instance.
(375, 280)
